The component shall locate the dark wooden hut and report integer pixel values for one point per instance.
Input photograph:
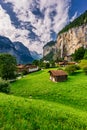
(58, 75)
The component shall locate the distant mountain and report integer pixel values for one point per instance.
(35, 55)
(49, 51)
(16, 49)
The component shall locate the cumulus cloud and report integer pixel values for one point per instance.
(38, 19)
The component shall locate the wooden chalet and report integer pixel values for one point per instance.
(32, 68)
(29, 68)
(58, 75)
(63, 63)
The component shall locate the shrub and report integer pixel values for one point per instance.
(85, 70)
(83, 63)
(71, 69)
(4, 86)
(77, 67)
(25, 72)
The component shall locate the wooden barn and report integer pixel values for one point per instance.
(58, 75)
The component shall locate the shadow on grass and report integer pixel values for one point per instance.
(76, 73)
(71, 76)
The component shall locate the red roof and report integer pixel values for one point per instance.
(26, 66)
(20, 66)
(31, 66)
(58, 72)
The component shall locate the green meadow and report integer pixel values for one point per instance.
(36, 103)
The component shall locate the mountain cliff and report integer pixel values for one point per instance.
(49, 50)
(16, 49)
(70, 38)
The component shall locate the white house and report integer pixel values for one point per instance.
(33, 68)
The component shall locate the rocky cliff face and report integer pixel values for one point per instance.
(71, 40)
(68, 42)
(49, 50)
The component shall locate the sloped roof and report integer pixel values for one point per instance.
(20, 66)
(58, 72)
(26, 66)
(31, 66)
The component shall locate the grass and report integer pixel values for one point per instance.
(40, 104)
(18, 113)
(37, 85)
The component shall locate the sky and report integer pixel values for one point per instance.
(36, 22)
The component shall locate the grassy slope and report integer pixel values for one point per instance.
(38, 86)
(44, 105)
(24, 114)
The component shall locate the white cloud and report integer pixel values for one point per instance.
(74, 17)
(7, 29)
(42, 25)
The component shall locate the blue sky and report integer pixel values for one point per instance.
(36, 22)
(78, 6)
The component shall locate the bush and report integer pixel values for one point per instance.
(85, 70)
(83, 64)
(77, 67)
(4, 86)
(71, 69)
(25, 72)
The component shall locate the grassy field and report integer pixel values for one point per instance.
(40, 104)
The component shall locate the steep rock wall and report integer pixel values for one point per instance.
(47, 49)
(71, 40)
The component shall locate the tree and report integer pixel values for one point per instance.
(79, 54)
(7, 66)
(52, 63)
(47, 65)
(85, 54)
(4, 86)
(36, 62)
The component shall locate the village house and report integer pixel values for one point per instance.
(32, 68)
(29, 68)
(63, 63)
(58, 75)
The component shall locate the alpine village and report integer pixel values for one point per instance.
(49, 93)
